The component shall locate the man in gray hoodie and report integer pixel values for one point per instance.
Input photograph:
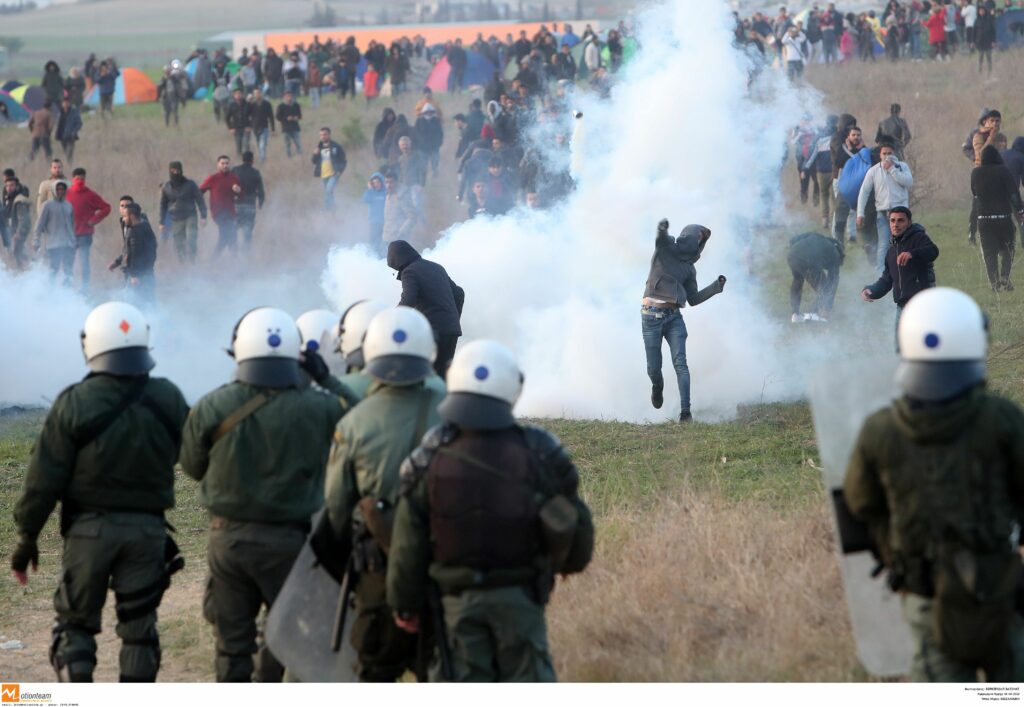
(671, 284)
(55, 230)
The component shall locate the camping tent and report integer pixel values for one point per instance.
(10, 85)
(15, 110)
(1010, 29)
(479, 70)
(32, 97)
(132, 86)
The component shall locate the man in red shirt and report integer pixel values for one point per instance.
(89, 209)
(224, 188)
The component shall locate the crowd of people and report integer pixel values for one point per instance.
(904, 29)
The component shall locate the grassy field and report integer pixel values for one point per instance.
(715, 557)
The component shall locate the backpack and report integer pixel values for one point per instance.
(968, 147)
(851, 177)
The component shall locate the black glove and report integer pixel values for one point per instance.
(313, 364)
(25, 553)
(663, 226)
(721, 283)
(971, 238)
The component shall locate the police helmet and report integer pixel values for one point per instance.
(399, 347)
(943, 337)
(115, 339)
(484, 382)
(352, 329)
(265, 344)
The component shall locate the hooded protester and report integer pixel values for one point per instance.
(816, 259)
(75, 86)
(427, 288)
(52, 83)
(90, 209)
(387, 120)
(909, 264)
(179, 199)
(429, 136)
(996, 202)
(396, 132)
(375, 197)
(16, 217)
(68, 125)
(55, 232)
(671, 284)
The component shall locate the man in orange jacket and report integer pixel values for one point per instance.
(89, 209)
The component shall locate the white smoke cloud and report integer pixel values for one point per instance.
(682, 137)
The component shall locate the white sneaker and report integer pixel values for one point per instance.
(797, 318)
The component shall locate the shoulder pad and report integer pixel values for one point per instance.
(542, 443)
(418, 461)
(553, 457)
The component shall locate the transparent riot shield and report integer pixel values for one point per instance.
(301, 625)
(842, 396)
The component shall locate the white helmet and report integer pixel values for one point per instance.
(943, 337)
(265, 344)
(399, 347)
(352, 329)
(484, 382)
(115, 339)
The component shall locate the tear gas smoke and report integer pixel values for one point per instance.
(681, 137)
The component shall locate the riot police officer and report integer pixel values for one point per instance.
(351, 330)
(490, 512)
(107, 453)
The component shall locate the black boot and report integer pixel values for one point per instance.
(685, 417)
(656, 399)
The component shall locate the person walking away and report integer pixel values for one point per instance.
(138, 261)
(492, 509)
(890, 181)
(985, 36)
(179, 199)
(362, 479)
(793, 43)
(261, 116)
(818, 166)
(167, 94)
(224, 188)
(17, 219)
(937, 477)
(896, 129)
(40, 125)
(996, 202)
(107, 453)
(803, 141)
(427, 287)
(289, 117)
(816, 259)
(671, 284)
(55, 232)
(400, 213)
(909, 264)
(249, 198)
(328, 164)
(89, 210)
(258, 446)
(238, 118)
(68, 125)
(375, 197)
(380, 134)
(850, 146)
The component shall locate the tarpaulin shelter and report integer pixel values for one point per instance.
(132, 86)
(17, 112)
(479, 70)
(198, 92)
(32, 97)
(1010, 29)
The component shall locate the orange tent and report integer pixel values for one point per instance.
(132, 86)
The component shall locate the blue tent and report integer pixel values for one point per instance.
(1010, 29)
(15, 110)
(479, 70)
(11, 85)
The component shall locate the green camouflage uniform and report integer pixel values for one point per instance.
(370, 445)
(493, 607)
(262, 481)
(114, 490)
(943, 486)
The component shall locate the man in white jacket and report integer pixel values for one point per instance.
(890, 180)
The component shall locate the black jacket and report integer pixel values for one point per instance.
(284, 112)
(181, 200)
(252, 185)
(993, 186)
(261, 116)
(239, 115)
(673, 277)
(426, 287)
(836, 151)
(918, 274)
(338, 159)
(139, 250)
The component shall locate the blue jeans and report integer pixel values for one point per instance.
(61, 258)
(329, 185)
(884, 234)
(289, 140)
(261, 143)
(314, 97)
(658, 324)
(83, 246)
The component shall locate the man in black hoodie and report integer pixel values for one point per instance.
(816, 259)
(426, 287)
(139, 257)
(671, 284)
(996, 203)
(909, 264)
(251, 197)
(179, 199)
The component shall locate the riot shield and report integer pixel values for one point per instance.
(300, 625)
(842, 396)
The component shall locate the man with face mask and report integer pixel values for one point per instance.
(671, 284)
(179, 199)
